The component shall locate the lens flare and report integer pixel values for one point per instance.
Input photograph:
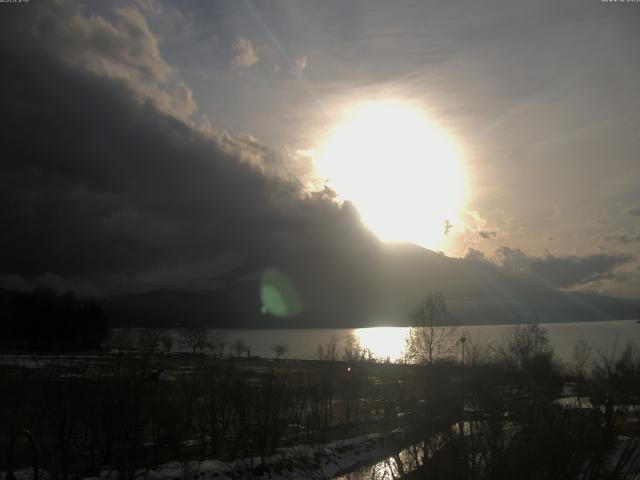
(278, 295)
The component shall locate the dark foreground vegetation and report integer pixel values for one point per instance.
(44, 320)
(495, 416)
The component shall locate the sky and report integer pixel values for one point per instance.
(155, 144)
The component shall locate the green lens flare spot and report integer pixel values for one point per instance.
(279, 295)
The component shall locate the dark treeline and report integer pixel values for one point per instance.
(46, 320)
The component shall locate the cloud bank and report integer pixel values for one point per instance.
(105, 176)
(561, 271)
(112, 182)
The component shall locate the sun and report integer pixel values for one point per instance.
(402, 172)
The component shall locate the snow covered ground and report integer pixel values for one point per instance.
(321, 461)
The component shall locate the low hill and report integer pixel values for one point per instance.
(396, 280)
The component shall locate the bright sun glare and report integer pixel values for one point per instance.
(401, 171)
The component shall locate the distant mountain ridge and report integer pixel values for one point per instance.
(377, 288)
(217, 309)
(382, 293)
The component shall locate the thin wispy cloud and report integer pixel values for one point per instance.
(245, 55)
(301, 65)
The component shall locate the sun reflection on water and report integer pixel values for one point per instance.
(383, 342)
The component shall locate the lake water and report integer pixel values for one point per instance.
(389, 342)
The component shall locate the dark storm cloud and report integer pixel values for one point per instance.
(475, 255)
(111, 182)
(99, 178)
(623, 238)
(118, 45)
(561, 271)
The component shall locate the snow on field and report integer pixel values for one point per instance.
(298, 462)
(574, 402)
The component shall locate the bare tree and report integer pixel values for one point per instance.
(330, 351)
(216, 343)
(121, 339)
(194, 338)
(432, 334)
(478, 352)
(354, 351)
(167, 343)
(239, 347)
(616, 376)
(149, 339)
(279, 350)
(527, 345)
(580, 356)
